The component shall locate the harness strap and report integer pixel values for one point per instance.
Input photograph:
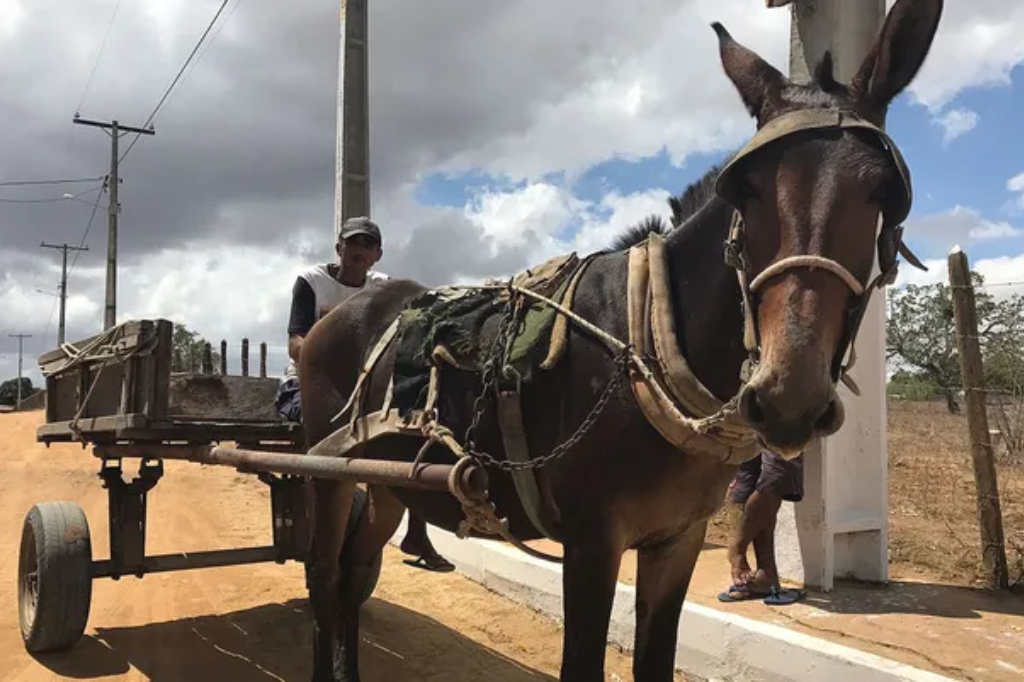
(513, 435)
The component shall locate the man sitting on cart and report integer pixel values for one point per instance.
(318, 290)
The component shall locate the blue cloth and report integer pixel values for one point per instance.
(289, 401)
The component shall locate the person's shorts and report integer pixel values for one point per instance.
(769, 472)
(289, 401)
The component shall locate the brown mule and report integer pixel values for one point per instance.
(766, 332)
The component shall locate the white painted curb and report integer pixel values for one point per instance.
(712, 644)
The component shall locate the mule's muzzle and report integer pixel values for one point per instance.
(787, 425)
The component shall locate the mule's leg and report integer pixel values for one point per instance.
(330, 503)
(378, 523)
(590, 571)
(663, 577)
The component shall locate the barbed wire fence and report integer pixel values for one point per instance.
(995, 424)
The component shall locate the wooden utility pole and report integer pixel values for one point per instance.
(115, 130)
(352, 161)
(63, 248)
(21, 338)
(990, 515)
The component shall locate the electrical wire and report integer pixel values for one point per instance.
(25, 183)
(156, 109)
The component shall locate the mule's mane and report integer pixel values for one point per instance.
(683, 207)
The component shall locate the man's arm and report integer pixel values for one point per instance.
(302, 317)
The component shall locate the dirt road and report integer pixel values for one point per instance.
(247, 623)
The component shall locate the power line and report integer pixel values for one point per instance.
(99, 55)
(50, 200)
(152, 115)
(85, 235)
(25, 183)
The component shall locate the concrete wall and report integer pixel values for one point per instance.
(840, 529)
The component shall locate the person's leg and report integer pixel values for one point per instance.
(417, 543)
(740, 491)
(780, 480)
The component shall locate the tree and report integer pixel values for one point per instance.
(9, 390)
(188, 346)
(920, 334)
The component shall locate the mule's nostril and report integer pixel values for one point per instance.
(831, 419)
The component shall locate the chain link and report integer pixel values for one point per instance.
(499, 352)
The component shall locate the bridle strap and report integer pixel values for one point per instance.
(812, 262)
(890, 243)
(736, 257)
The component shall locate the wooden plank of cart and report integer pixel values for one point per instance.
(116, 393)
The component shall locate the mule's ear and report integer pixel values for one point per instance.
(758, 82)
(898, 53)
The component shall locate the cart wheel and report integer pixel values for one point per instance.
(359, 499)
(54, 576)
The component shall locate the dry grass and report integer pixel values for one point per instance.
(933, 511)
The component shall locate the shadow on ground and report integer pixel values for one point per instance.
(922, 598)
(272, 642)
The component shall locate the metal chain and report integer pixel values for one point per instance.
(500, 348)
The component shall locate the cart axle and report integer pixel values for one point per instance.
(184, 561)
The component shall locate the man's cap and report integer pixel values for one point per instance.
(359, 225)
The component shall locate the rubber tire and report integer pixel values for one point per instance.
(359, 500)
(56, 546)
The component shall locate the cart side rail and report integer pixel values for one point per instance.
(123, 372)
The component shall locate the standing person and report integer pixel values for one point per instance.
(760, 486)
(317, 291)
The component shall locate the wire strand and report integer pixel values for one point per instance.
(167, 92)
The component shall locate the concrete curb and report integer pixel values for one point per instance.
(712, 644)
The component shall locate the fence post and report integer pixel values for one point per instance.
(223, 358)
(207, 358)
(245, 357)
(263, 359)
(990, 518)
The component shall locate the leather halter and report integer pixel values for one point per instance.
(890, 239)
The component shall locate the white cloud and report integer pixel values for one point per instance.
(956, 123)
(959, 225)
(977, 45)
(1016, 185)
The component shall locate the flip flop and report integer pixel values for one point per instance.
(437, 564)
(737, 593)
(784, 597)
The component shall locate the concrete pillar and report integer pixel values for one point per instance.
(352, 165)
(840, 529)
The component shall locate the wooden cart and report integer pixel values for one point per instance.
(116, 393)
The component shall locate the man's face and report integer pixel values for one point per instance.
(358, 253)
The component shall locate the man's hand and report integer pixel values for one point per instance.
(295, 347)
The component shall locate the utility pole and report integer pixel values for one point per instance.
(21, 338)
(115, 130)
(63, 248)
(352, 161)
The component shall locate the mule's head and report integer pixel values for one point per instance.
(818, 192)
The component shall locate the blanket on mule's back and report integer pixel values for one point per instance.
(447, 324)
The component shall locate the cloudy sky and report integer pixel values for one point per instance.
(502, 133)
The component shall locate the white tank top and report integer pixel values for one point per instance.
(328, 293)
